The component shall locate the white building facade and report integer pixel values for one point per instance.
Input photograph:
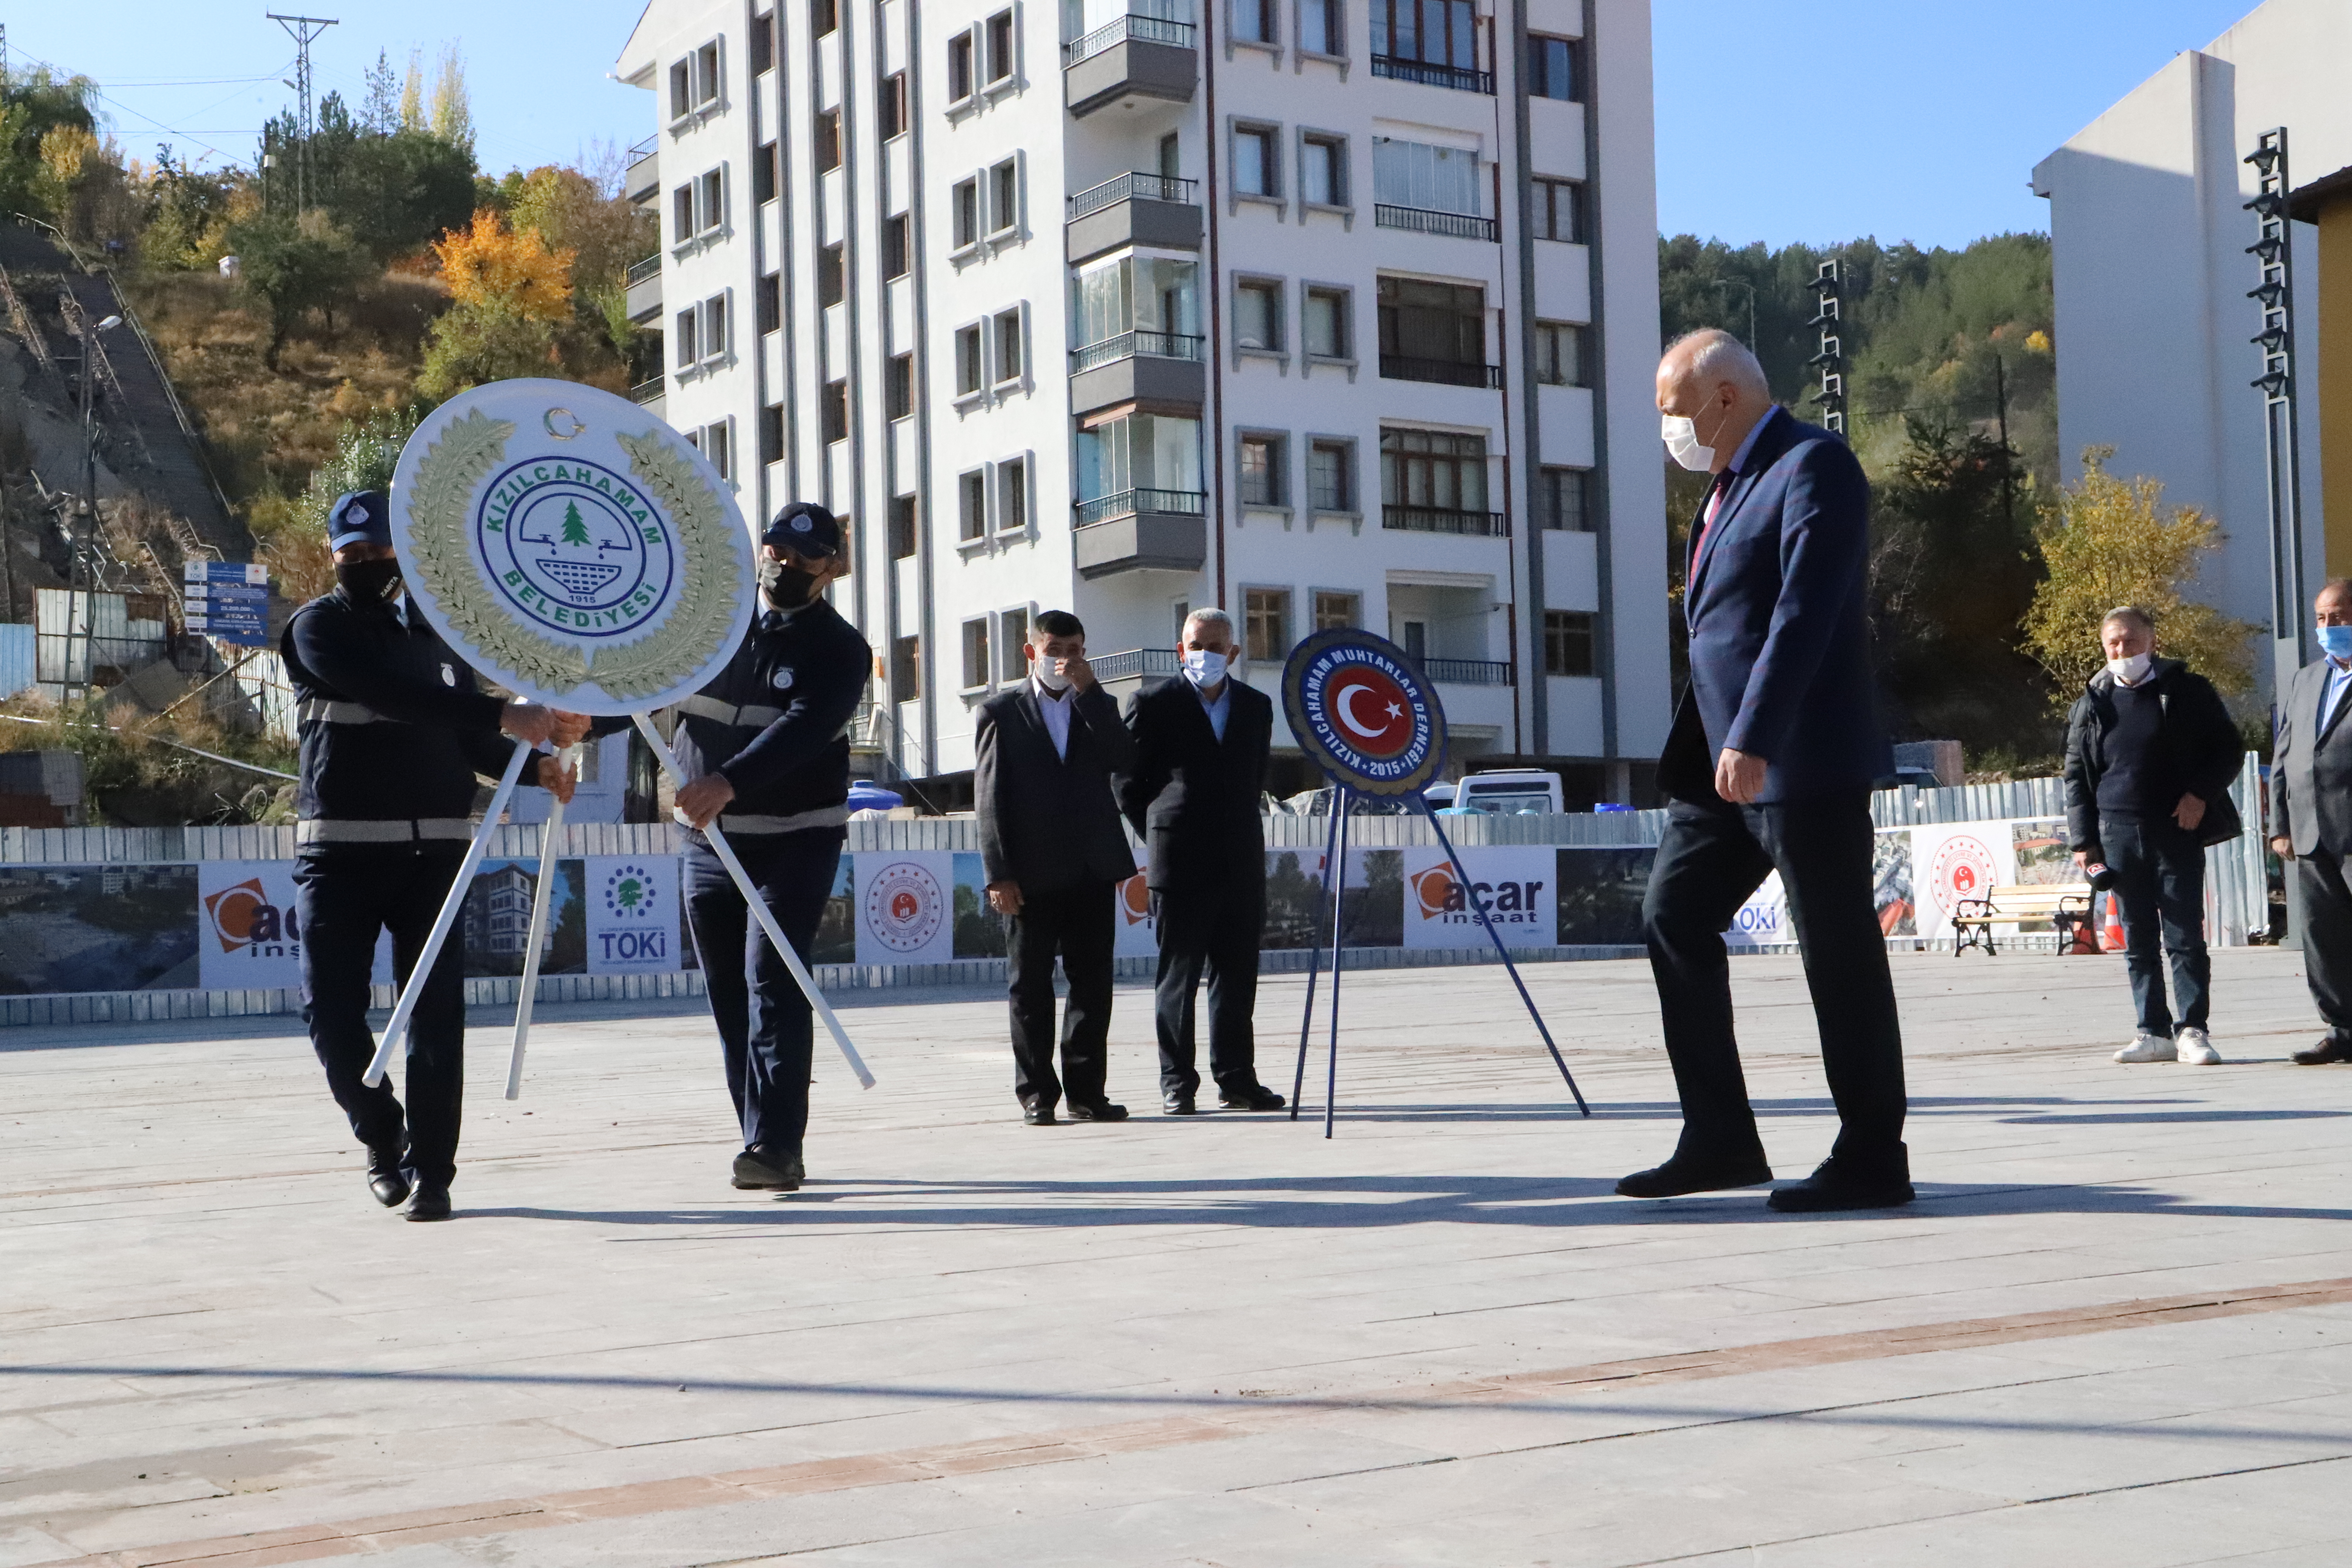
(1326, 312)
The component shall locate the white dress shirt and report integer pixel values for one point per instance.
(2339, 678)
(1218, 710)
(1055, 705)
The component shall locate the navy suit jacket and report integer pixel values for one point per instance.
(1780, 632)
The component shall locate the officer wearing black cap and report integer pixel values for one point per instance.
(765, 749)
(393, 731)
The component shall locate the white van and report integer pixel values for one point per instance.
(1507, 792)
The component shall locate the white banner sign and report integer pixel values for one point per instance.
(248, 936)
(1956, 860)
(1137, 934)
(905, 905)
(1510, 889)
(1763, 919)
(632, 913)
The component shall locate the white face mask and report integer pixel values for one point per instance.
(1204, 667)
(1680, 434)
(2133, 670)
(1047, 675)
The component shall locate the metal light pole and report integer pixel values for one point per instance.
(88, 604)
(1832, 357)
(2274, 250)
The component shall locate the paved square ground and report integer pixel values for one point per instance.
(2116, 1330)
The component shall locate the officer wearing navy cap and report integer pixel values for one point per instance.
(393, 733)
(765, 749)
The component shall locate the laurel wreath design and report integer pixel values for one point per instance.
(705, 612)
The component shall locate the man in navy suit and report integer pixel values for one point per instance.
(1775, 748)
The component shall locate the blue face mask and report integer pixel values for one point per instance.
(2337, 641)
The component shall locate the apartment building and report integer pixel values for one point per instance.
(1327, 311)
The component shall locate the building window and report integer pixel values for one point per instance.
(1552, 67)
(1000, 47)
(1442, 33)
(1321, 30)
(830, 275)
(688, 336)
(772, 433)
(1432, 331)
(1261, 471)
(966, 200)
(1012, 496)
(681, 89)
(767, 303)
(971, 506)
(681, 215)
(1326, 315)
(1567, 642)
(895, 260)
(1257, 170)
(1005, 196)
(828, 140)
(694, 81)
(1258, 21)
(906, 669)
(1265, 616)
(902, 527)
(836, 411)
(1011, 632)
(975, 653)
(1560, 210)
(763, 44)
(1257, 316)
(1564, 500)
(899, 386)
(1331, 475)
(714, 326)
(1561, 353)
(1170, 156)
(714, 446)
(1008, 347)
(1425, 177)
(890, 111)
(1323, 171)
(710, 201)
(960, 82)
(763, 175)
(1335, 609)
(967, 361)
(825, 16)
(1433, 471)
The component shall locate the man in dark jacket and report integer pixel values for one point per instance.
(2150, 752)
(1055, 854)
(2311, 816)
(393, 733)
(766, 750)
(1201, 745)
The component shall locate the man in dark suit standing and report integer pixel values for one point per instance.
(1201, 743)
(1775, 747)
(2311, 816)
(1055, 854)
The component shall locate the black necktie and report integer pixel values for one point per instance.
(1715, 494)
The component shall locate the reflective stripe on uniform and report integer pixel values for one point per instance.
(334, 830)
(823, 816)
(749, 716)
(337, 712)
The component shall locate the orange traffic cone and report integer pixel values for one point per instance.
(2112, 934)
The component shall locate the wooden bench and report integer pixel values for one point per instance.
(2065, 905)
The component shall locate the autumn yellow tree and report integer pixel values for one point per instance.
(2111, 541)
(492, 265)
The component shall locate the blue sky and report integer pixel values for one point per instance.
(1778, 119)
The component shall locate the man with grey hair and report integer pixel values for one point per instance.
(2150, 752)
(2311, 816)
(1201, 747)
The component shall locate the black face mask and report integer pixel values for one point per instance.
(786, 587)
(368, 582)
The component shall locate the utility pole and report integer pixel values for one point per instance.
(302, 29)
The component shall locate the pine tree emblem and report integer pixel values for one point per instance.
(575, 531)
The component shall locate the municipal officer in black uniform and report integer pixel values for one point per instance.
(765, 748)
(393, 733)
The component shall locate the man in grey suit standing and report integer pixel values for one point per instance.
(2311, 816)
(1055, 854)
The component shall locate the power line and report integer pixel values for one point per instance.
(302, 29)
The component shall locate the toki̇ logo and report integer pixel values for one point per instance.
(629, 896)
(1442, 897)
(243, 919)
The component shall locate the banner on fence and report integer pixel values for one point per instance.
(905, 907)
(1512, 889)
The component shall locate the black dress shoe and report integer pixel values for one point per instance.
(1250, 1096)
(1037, 1113)
(2330, 1049)
(762, 1169)
(1178, 1105)
(389, 1188)
(1097, 1111)
(1833, 1187)
(1678, 1177)
(431, 1202)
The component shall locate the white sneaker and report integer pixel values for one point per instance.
(2147, 1048)
(2195, 1047)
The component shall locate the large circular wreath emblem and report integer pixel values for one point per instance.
(571, 546)
(904, 906)
(1360, 709)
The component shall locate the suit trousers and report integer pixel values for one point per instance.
(343, 896)
(2159, 870)
(1213, 927)
(2327, 937)
(1710, 859)
(766, 1031)
(1080, 922)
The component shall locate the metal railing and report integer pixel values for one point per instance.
(1135, 663)
(1138, 186)
(1429, 220)
(1127, 503)
(1445, 520)
(1133, 345)
(1467, 671)
(1445, 372)
(641, 270)
(1121, 29)
(1458, 77)
(644, 149)
(647, 391)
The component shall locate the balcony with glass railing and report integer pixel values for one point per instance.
(644, 290)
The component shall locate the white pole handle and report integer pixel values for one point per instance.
(447, 917)
(550, 833)
(758, 907)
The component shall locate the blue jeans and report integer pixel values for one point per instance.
(2159, 870)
